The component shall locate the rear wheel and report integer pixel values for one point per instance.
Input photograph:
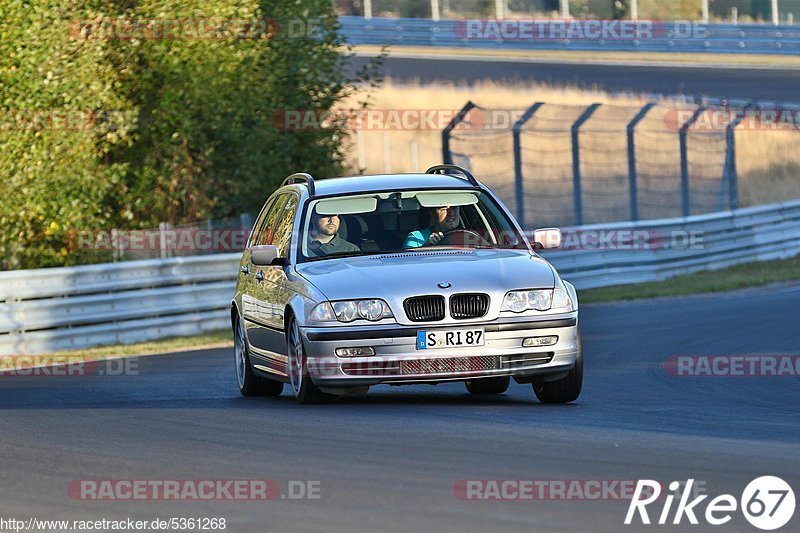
(496, 385)
(249, 383)
(564, 390)
(304, 389)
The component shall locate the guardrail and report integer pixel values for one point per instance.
(723, 239)
(54, 309)
(715, 38)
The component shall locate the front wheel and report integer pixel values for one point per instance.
(488, 385)
(304, 389)
(564, 390)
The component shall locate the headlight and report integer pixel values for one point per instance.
(350, 310)
(536, 300)
(322, 313)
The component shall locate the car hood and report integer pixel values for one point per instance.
(398, 276)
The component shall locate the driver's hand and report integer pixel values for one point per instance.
(435, 238)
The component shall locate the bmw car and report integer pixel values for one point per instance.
(351, 282)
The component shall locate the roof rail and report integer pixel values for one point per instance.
(301, 177)
(454, 170)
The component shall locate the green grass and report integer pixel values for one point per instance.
(212, 339)
(736, 277)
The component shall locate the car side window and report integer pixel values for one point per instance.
(259, 224)
(283, 230)
(264, 232)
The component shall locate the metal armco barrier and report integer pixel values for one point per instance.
(46, 310)
(679, 245)
(714, 38)
(54, 309)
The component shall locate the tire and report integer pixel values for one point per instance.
(249, 383)
(564, 390)
(486, 386)
(303, 388)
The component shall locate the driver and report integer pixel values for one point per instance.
(441, 220)
(324, 239)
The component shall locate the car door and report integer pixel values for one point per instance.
(255, 300)
(274, 290)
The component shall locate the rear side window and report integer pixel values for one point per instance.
(263, 229)
(283, 231)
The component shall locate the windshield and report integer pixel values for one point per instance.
(403, 221)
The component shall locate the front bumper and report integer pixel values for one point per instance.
(397, 361)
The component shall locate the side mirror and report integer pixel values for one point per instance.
(267, 255)
(546, 238)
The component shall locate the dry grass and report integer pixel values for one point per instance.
(768, 161)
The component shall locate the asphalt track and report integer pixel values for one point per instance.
(779, 84)
(388, 461)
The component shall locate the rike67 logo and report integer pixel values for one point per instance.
(767, 503)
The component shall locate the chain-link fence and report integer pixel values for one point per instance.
(573, 164)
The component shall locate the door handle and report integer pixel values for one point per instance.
(260, 275)
(245, 270)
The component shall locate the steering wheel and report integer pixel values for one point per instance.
(463, 237)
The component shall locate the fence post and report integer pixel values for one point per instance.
(632, 176)
(686, 210)
(576, 162)
(518, 177)
(414, 149)
(730, 173)
(246, 223)
(447, 156)
(387, 153)
(162, 239)
(564, 8)
(362, 154)
(367, 9)
(500, 9)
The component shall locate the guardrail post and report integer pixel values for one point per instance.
(447, 157)
(576, 162)
(686, 209)
(518, 177)
(632, 175)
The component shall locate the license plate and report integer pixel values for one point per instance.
(453, 338)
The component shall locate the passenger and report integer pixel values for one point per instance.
(441, 220)
(324, 239)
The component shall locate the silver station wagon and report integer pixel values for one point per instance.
(401, 279)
